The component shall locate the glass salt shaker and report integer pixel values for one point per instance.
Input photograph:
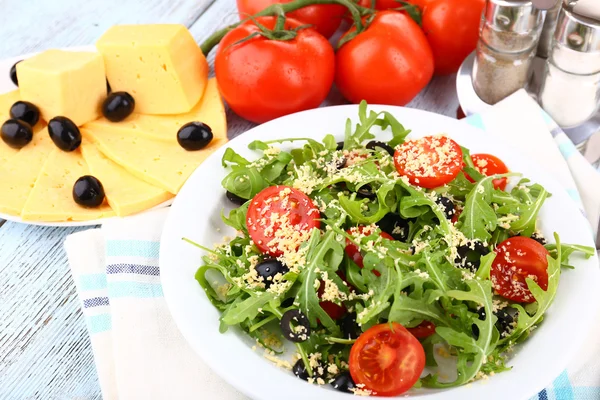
(570, 91)
(508, 38)
(548, 29)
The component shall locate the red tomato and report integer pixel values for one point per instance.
(456, 216)
(429, 162)
(387, 359)
(333, 310)
(518, 258)
(280, 218)
(263, 79)
(389, 63)
(353, 251)
(326, 18)
(452, 29)
(488, 165)
(422, 331)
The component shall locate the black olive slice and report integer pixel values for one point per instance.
(295, 326)
(373, 144)
(268, 269)
(344, 383)
(367, 192)
(235, 199)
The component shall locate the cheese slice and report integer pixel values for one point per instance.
(125, 193)
(208, 110)
(19, 174)
(163, 164)
(52, 196)
(6, 102)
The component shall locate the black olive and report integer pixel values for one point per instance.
(504, 324)
(16, 133)
(117, 106)
(447, 206)
(88, 191)
(26, 112)
(268, 269)
(297, 318)
(350, 328)
(340, 146)
(341, 163)
(344, 383)
(64, 133)
(394, 225)
(13, 73)
(538, 237)
(235, 199)
(469, 255)
(375, 143)
(366, 191)
(299, 369)
(287, 302)
(194, 136)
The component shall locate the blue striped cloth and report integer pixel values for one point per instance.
(526, 126)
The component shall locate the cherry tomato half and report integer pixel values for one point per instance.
(326, 18)
(422, 331)
(429, 162)
(335, 311)
(280, 218)
(353, 251)
(488, 165)
(387, 359)
(518, 258)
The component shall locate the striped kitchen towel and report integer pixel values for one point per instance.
(520, 120)
(138, 350)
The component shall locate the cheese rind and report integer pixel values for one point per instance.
(125, 193)
(160, 65)
(209, 110)
(19, 174)
(71, 84)
(52, 196)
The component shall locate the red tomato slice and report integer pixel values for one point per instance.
(280, 218)
(488, 165)
(429, 162)
(422, 331)
(517, 258)
(333, 310)
(456, 216)
(387, 359)
(353, 251)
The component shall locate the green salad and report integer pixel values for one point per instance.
(388, 265)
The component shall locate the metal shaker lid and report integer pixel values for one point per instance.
(518, 16)
(577, 31)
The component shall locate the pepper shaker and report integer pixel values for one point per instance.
(508, 38)
(570, 91)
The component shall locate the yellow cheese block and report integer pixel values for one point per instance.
(6, 101)
(125, 193)
(209, 110)
(19, 174)
(52, 196)
(160, 65)
(71, 84)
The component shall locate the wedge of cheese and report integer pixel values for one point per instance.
(52, 196)
(6, 101)
(163, 164)
(125, 193)
(208, 110)
(19, 174)
(160, 65)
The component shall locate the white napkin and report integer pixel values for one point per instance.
(138, 350)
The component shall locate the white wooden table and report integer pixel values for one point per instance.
(44, 348)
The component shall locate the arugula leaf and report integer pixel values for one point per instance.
(244, 182)
(354, 208)
(528, 215)
(478, 217)
(237, 218)
(567, 250)
(232, 157)
(247, 309)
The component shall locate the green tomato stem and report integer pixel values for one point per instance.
(355, 10)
